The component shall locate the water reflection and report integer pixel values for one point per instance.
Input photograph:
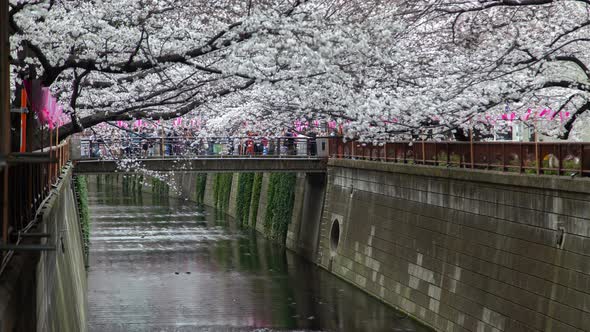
(160, 264)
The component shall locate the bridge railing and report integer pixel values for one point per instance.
(188, 147)
(553, 158)
(28, 179)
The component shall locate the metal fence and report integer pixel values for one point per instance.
(187, 147)
(551, 158)
(29, 178)
(554, 158)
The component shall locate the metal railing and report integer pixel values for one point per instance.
(188, 147)
(30, 177)
(551, 158)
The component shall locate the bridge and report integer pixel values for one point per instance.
(203, 164)
(210, 154)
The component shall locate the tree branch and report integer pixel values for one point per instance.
(152, 114)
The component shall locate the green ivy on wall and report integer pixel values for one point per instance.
(222, 190)
(160, 187)
(81, 188)
(256, 189)
(279, 209)
(244, 197)
(201, 185)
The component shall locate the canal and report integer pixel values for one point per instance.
(162, 264)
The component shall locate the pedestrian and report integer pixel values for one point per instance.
(311, 143)
(290, 142)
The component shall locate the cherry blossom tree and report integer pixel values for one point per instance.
(482, 56)
(423, 68)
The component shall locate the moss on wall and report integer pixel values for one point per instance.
(160, 187)
(201, 185)
(256, 189)
(279, 209)
(81, 187)
(244, 198)
(222, 190)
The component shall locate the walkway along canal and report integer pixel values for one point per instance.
(164, 264)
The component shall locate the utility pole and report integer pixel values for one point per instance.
(4, 112)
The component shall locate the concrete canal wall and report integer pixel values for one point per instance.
(46, 291)
(462, 250)
(459, 250)
(308, 191)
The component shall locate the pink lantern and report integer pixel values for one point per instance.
(545, 112)
(528, 114)
(563, 116)
(508, 117)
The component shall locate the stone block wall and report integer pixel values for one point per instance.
(462, 250)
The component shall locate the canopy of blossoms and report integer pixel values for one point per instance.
(380, 69)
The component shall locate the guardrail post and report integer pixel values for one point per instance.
(405, 153)
(581, 159)
(559, 160)
(537, 157)
(471, 148)
(503, 157)
(423, 153)
(489, 157)
(435, 154)
(521, 159)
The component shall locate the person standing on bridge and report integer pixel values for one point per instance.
(264, 143)
(250, 145)
(290, 142)
(311, 143)
(144, 143)
(152, 139)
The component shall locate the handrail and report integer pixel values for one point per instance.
(143, 147)
(549, 158)
(31, 175)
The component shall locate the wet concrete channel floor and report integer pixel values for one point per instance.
(160, 264)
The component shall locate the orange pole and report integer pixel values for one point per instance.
(23, 121)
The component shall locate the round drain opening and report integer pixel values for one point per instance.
(334, 236)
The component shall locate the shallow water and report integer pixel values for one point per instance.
(159, 264)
